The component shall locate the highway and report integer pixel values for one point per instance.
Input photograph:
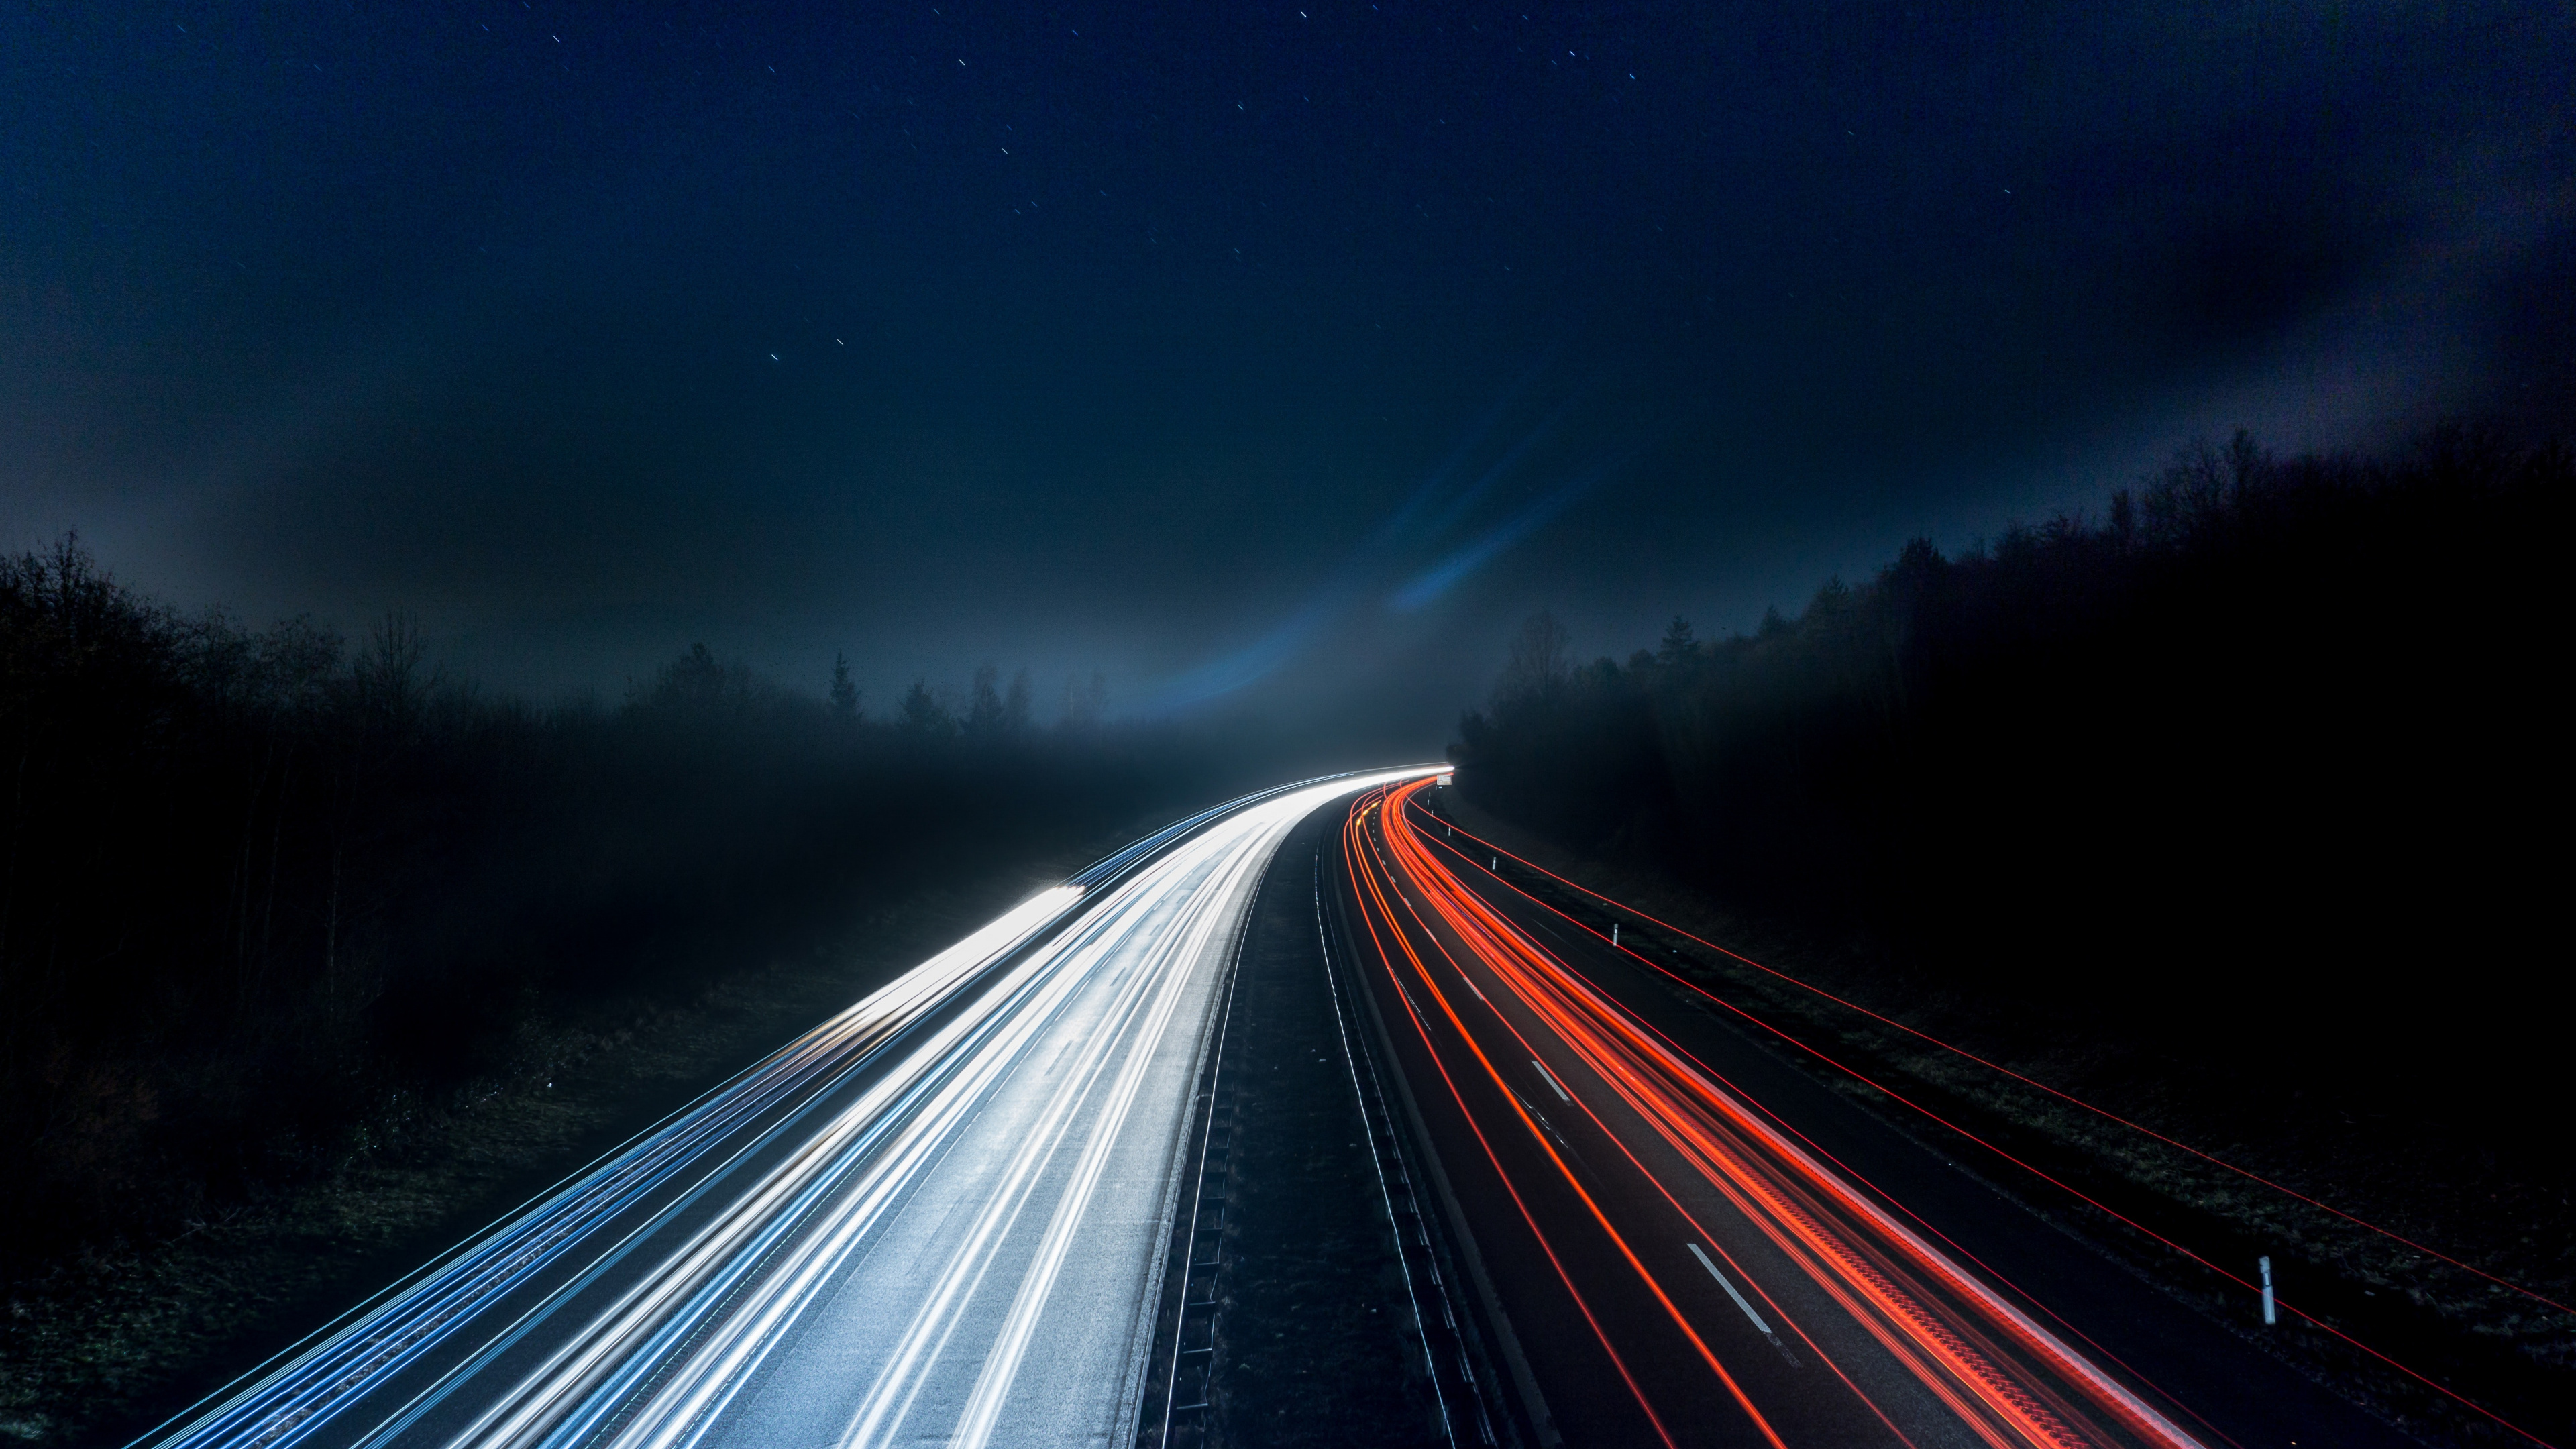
(1692, 1243)
(941, 1215)
(945, 1215)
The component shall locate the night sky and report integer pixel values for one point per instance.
(1257, 356)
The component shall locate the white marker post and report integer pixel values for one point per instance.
(1614, 933)
(2266, 1263)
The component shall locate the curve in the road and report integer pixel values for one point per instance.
(1650, 1149)
(939, 1213)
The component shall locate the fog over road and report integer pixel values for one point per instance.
(940, 1215)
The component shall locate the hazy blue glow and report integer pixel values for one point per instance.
(1429, 585)
(587, 337)
(1432, 482)
(1250, 664)
(1475, 492)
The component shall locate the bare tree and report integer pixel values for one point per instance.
(844, 695)
(1016, 704)
(984, 717)
(1084, 702)
(392, 672)
(1541, 659)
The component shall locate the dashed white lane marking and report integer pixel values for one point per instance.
(1730, 1290)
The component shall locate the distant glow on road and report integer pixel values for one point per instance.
(921, 1175)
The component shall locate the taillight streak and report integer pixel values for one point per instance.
(2007, 1378)
(1366, 889)
(2231, 1275)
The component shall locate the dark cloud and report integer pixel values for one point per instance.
(1124, 343)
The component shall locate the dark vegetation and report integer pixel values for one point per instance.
(2264, 769)
(262, 892)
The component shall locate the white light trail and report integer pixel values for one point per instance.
(938, 1214)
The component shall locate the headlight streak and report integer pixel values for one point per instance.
(899, 1380)
(1239, 873)
(918, 998)
(941, 1082)
(277, 1409)
(2006, 1378)
(661, 1355)
(726, 1270)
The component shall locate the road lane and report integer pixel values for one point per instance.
(1649, 1218)
(936, 1216)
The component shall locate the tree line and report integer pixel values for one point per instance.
(990, 713)
(256, 883)
(2264, 763)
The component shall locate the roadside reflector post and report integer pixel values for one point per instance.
(1495, 865)
(2266, 1263)
(1614, 933)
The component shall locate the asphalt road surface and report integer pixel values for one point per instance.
(940, 1216)
(1685, 1240)
(1567, 1208)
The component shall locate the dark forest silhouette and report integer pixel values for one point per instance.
(259, 889)
(2264, 767)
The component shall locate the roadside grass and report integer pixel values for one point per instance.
(2415, 1176)
(106, 1343)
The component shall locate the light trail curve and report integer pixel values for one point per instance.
(939, 1215)
(1649, 1187)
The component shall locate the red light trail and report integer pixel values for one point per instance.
(1911, 1336)
(1415, 838)
(2001, 1070)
